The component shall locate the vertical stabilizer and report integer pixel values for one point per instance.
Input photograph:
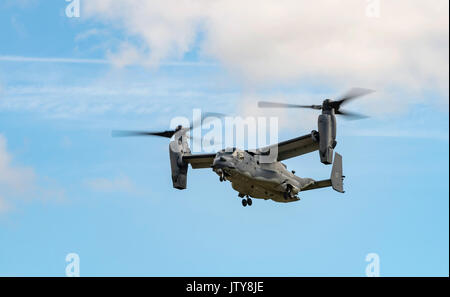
(337, 179)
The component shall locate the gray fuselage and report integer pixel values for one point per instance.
(256, 179)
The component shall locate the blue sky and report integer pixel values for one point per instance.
(67, 186)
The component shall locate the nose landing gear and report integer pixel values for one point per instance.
(288, 194)
(247, 201)
(221, 175)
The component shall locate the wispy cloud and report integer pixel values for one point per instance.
(111, 185)
(161, 97)
(52, 60)
(13, 178)
(417, 134)
(112, 61)
(20, 184)
(15, 181)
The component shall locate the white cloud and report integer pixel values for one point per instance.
(15, 181)
(14, 178)
(170, 25)
(89, 33)
(403, 54)
(326, 41)
(20, 184)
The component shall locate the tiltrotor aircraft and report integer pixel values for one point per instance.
(260, 173)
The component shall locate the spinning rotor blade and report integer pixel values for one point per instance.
(351, 115)
(123, 133)
(353, 94)
(265, 104)
(169, 133)
(350, 95)
(327, 104)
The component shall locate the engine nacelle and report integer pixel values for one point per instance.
(179, 168)
(327, 135)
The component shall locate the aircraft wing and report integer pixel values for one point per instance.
(293, 147)
(200, 160)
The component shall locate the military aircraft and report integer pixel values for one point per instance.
(260, 173)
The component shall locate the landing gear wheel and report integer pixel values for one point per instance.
(221, 179)
(249, 201)
(287, 194)
(244, 202)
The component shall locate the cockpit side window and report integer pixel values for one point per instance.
(228, 151)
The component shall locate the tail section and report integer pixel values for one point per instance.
(337, 179)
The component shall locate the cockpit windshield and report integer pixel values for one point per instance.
(228, 151)
(232, 151)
